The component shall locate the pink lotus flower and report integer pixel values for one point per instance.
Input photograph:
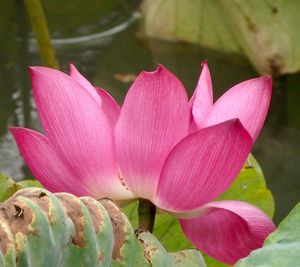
(177, 154)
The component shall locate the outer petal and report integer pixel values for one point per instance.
(228, 230)
(46, 165)
(154, 117)
(202, 99)
(108, 104)
(78, 77)
(202, 166)
(249, 101)
(110, 107)
(78, 129)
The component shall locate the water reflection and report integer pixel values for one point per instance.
(125, 53)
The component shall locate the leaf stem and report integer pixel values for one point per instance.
(146, 214)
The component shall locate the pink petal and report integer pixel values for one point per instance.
(78, 130)
(202, 166)
(202, 99)
(228, 230)
(78, 77)
(249, 101)
(45, 164)
(110, 107)
(154, 117)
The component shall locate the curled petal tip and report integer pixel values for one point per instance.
(265, 85)
(72, 68)
(37, 68)
(41, 71)
(204, 63)
(160, 68)
(237, 123)
(33, 69)
(268, 79)
(13, 130)
(234, 123)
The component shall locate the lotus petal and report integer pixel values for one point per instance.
(202, 99)
(110, 107)
(228, 230)
(46, 165)
(248, 101)
(78, 77)
(202, 166)
(154, 117)
(78, 129)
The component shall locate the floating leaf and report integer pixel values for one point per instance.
(243, 27)
(29, 183)
(8, 186)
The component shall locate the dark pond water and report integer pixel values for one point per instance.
(105, 42)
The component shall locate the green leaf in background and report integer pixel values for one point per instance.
(250, 186)
(8, 186)
(281, 248)
(29, 183)
(265, 31)
(168, 231)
